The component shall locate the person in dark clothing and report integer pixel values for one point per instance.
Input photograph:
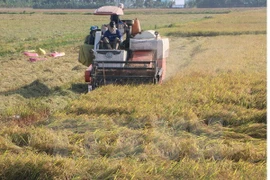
(112, 37)
(115, 17)
(90, 39)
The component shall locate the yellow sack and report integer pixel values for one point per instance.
(86, 55)
(41, 51)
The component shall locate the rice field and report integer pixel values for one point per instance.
(206, 121)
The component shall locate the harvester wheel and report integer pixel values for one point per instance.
(158, 78)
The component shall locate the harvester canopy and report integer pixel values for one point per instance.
(109, 10)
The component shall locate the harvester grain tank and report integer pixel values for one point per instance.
(141, 57)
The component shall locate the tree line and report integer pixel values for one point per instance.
(89, 4)
(225, 3)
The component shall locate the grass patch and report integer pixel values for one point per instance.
(202, 12)
(24, 12)
(61, 13)
(207, 33)
(215, 25)
(26, 114)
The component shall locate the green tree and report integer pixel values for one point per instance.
(149, 3)
(139, 3)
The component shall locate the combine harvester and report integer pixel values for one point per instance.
(141, 57)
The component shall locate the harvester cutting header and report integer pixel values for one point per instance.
(120, 52)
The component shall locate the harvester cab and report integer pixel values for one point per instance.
(141, 57)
